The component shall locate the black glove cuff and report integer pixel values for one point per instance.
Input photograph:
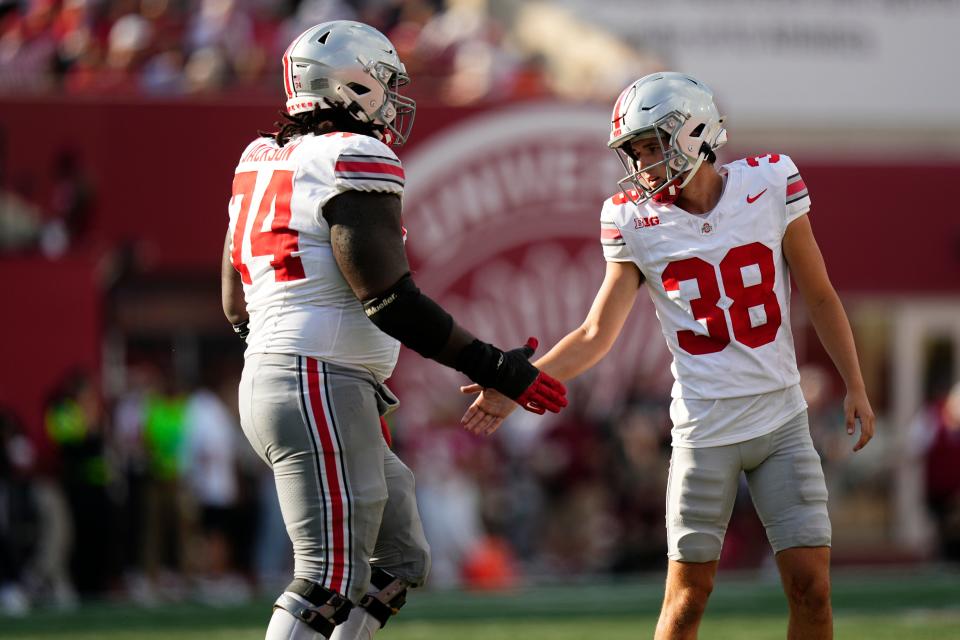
(242, 329)
(508, 372)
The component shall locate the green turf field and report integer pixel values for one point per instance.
(890, 605)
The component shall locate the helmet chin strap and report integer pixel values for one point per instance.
(667, 195)
(671, 192)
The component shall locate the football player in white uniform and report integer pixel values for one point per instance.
(717, 247)
(315, 278)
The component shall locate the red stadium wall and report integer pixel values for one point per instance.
(51, 327)
(162, 178)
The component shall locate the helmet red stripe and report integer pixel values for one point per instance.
(286, 74)
(616, 113)
(288, 67)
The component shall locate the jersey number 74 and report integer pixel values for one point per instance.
(279, 242)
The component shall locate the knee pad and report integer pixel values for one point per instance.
(390, 597)
(318, 607)
(698, 547)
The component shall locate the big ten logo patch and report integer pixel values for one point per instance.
(502, 233)
(650, 221)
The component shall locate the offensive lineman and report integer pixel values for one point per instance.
(714, 247)
(315, 278)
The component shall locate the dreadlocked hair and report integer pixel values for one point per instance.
(318, 121)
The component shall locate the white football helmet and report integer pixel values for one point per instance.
(680, 112)
(353, 66)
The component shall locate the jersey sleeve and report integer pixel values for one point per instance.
(615, 248)
(366, 164)
(797, 197)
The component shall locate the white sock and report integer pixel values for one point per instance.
(284, 626)
(359, 626)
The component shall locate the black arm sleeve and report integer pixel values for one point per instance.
(404, 313)
(418, 322)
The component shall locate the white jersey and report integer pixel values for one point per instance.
(721, 289)
(297, 299)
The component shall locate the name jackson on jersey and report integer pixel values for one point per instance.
(719, 281)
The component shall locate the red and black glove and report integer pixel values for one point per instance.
(511, 373)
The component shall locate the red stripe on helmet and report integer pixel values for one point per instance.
(287, 83)
(616, 112)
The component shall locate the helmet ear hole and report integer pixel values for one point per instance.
(323, 39)
(358, 88)
(698, 130)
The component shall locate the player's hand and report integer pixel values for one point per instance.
(488, 410)
(856, 406)
(529, 387)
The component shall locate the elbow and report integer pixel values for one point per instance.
(234, 313)
(823, 299)
(235, 318)
(598, 342)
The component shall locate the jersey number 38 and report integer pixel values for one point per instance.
(707, 306)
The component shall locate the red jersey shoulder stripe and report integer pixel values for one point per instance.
(796, 188)
(353, 166)
(364, 167)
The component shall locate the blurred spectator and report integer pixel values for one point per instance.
(639, 480)
(167, 512)
(76, 425)
(128, 45)
(449, 501)
(210, 459)
(272, 550)
(309, 13)
(163, 74)
(580, 530)
(28, 48)
(70, 206)
(937, 431)
(18, 519)
(207, 71)
(20, 223)
(133, 467)
(20, 220)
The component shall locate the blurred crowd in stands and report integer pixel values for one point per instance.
(456, 50)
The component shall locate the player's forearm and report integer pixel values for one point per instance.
(231, 289)
(577, 352)
(833, 328)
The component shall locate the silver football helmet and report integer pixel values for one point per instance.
(353, 66)
(679, 111)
